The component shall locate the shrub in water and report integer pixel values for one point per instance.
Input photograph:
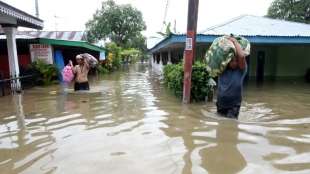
(200, 88)
(47, 73)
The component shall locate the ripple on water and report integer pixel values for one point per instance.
(135, 126)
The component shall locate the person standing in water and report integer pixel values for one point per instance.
(81, 72)
(230, 84)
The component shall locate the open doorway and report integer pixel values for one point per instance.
(260, 68)
(247, 77)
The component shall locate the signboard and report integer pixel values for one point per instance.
(189, 44)
(102, 55)
(41, 52)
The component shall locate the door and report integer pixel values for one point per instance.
(260, 67)
(247, 77)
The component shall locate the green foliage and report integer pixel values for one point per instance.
(138, 42)
(173, 78)
(114, 56)
(47, 73)
(167, 32)
(113, 60)
(291, 10)
(130, 55)
(200, 88)
(102, 69)
(121, 24)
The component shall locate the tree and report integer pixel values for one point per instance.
(138, 42)
(291, 10)
(118, 23)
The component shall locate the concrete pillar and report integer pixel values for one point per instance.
(169, 57)
(153, 59)
(160, 65)
(12, 55)
(160, 58)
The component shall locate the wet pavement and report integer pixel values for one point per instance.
(129, 123)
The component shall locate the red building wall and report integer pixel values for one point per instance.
(23, 61)
(4, 66)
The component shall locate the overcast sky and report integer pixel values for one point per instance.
(71, 15)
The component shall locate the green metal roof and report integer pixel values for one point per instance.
(83, 44)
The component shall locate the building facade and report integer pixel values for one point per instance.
(279, 49)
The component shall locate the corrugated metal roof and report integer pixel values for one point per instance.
(59, 35)
(3, 36)
(259, 30)
(248, 25)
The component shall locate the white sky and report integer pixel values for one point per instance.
(73, 14)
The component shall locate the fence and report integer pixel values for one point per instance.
(16, 84)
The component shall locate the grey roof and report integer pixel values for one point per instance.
(59, 35)
(248, 25)
(23, 19)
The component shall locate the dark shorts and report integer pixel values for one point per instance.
(231, 112)
(81, 86)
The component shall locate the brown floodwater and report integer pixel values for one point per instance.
(129, 123)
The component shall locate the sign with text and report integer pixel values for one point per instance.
(189, 44)
(41, 52)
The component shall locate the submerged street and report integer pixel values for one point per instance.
(129, 123)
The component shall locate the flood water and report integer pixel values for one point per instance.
(129, 123)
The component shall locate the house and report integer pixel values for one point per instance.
(279, 49)
(10, 19)
(54, 47)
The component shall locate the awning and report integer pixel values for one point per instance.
(83, 44)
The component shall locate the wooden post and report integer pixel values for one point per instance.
(190, 45)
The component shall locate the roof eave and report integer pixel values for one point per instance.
(23, 19)
(203, 38)
(71, 43)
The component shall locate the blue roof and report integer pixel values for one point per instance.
(258, 30)
(201, 38)
(248, 25)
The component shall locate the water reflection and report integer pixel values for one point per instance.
(19, 141)
(129, 123)
(223, 156)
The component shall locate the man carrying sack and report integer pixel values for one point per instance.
(84, 62)
(230, 66)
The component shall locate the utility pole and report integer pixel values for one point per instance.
(190, 45)
(56, 24)
(37, 8)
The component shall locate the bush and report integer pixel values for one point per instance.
(130, 55)
(173, 78)
(47, 74)
(114, 60)
(102, 69)
(200, 88)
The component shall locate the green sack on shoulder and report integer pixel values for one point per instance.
(222, 51)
